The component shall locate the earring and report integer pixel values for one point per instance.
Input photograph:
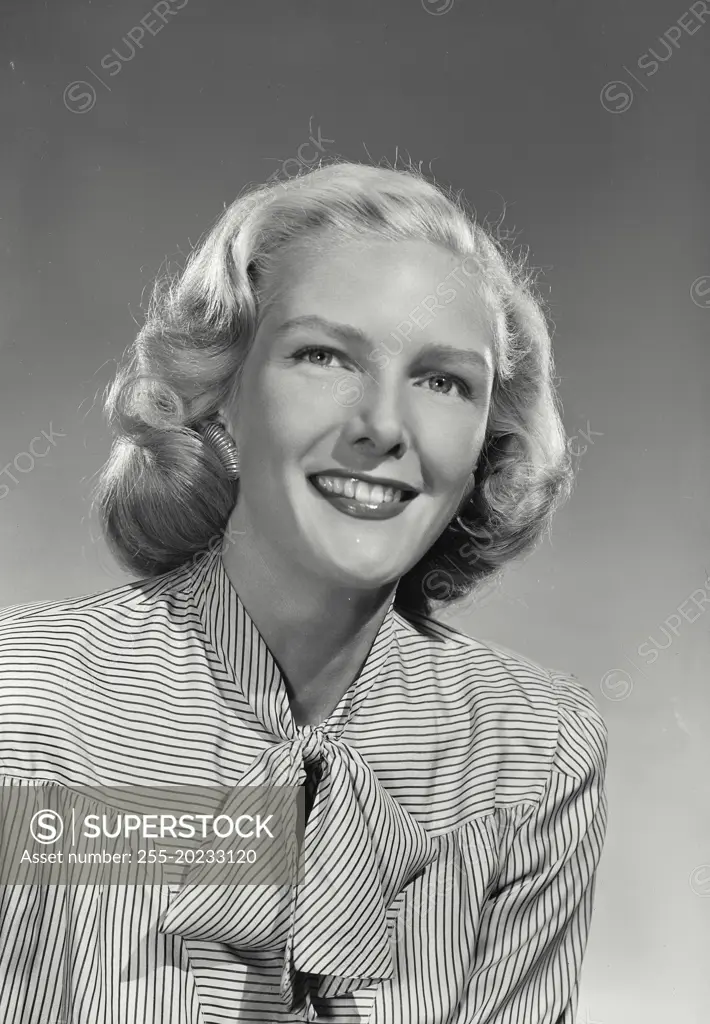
(224, 446)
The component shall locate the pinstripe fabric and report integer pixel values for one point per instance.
(455, 830)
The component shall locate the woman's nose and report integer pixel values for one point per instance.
(378, 418)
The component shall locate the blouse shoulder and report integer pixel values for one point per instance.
(539, 720)
(583, 735)
(81, 629)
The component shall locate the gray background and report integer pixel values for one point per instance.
(607, 186)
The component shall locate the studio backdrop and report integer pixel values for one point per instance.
(578, 131)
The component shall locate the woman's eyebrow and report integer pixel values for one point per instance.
(449, 353)
(342, 331)
(345, 332)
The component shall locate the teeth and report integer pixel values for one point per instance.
(375, 495)
(367, 494)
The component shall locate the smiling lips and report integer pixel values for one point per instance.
(352, 487)
(358, 498)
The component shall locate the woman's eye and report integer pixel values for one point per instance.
(309, 353)
(448, 383)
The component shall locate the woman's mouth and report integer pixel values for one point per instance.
(361, 499)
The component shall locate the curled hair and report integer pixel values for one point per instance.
(163, 496)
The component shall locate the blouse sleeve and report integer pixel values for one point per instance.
(534, 925)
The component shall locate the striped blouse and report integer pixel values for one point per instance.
(451, 845)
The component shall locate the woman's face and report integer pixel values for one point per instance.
(374, 364)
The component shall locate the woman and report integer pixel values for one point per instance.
(340, 413)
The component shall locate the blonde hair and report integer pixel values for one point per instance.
(163, 496)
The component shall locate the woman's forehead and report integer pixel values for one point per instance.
(339, 270)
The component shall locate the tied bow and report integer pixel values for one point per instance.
(360, 849)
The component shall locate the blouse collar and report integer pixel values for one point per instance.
(361, 847)
(245, 656)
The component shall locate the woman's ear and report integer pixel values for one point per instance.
(228, 420)
(229, 412)
(468, 492)
(228, 415)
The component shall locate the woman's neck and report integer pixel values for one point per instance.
(320, 635)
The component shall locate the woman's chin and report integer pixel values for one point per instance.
(363, 574)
